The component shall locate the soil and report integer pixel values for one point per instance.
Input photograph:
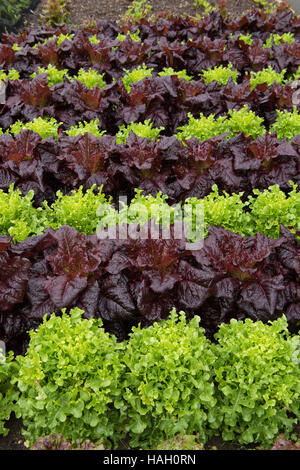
(85, 12)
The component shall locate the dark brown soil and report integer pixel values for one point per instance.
(88, 11)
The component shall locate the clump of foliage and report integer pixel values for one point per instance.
(278, 39)
(45, 127)
(58, 38)
(220, 74)
(77, 209)
(168, 387)
(12, 74)
(268, 76)
(55, 75)
(245, 121)
(136, 11)
(8, 392)
(18, 217)
(205, 6)
(287, 124)
(91, 127)
(268, 6)
(246, 38)
(202, 128)
(134, 36)
(271, 208)
(167, 71)
(55, 13)
(141, 129)
(282, 443)
(90, 78)
(69, 378)
(181, 442)
(135, 75)
(258, 381)
(58, 442)
(11, 12)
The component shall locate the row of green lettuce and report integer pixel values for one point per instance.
(77, 381)
(91, 211)
(286, 126)
(221, 74)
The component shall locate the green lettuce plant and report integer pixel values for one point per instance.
(78, 209)
(134, 36)
(91, 127)
(268, 76)
(246, 38)
(278, 39)
(287, 124)
(258, 381)
(141, 129)
(167, 71)
(220, 74)
(168, 387)
(271, 208)
(135, 75)
(245, 121)
(45, 127)
(18, 217)
(8, 391)
(90, 78)
(202, 128)
(137, 10)
(12, 74)
(69, 380)
(55, 75)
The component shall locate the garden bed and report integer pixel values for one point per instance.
(174, 115)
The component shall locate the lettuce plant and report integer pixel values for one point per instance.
(134, 36)
(271, 208)
(257, 380)
(12, 74)
(45, 127)
(55, 75)
(287, 124)
(268, 76)
(246, 38)
(137, 10)
(168, 387)
(8, 392)
(91, 127)
(220, 74)
(54, 13)
(78, 209)
(202, 128)
(278, 39)
(70, 379)
(94, 40)
(135, 75)
(141, 129)
(245, 121)
(59, 39)
(18, 217)
(90, 78)
(169, 71)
